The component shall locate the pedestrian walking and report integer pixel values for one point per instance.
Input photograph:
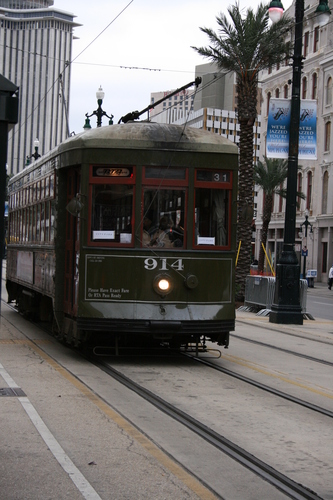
(330, 278)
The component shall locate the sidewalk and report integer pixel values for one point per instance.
(322, 328)
(320, 286)
(61, 441)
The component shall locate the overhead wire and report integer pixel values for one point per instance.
(68, 63)
(102, 65)
(96, 37)
(222, 74)
(217, 76)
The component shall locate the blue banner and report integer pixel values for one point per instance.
(277, 144)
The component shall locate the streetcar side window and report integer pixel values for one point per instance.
(212, 209)
(30, 210)
(53, 218)
(52, 186)
(38, 223)
(112, 207)
(112, 192)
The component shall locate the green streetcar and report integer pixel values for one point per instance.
(127, 233)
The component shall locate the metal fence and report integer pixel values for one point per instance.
(259, 293)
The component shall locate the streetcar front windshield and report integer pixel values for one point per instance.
(163, 218)
(212, 208)
(211, 217)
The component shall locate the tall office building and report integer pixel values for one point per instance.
(35, 51)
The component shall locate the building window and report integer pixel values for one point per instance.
(329, 92)
(277, 93)
(314, 85)
(280, 199)
(299, 189)
(309, 191)
(304, 87)
(268, 99)
(325, 193)
(306, 44)
(327, 139)
(285, 91)
(316, 39)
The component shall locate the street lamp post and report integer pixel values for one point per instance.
(306, 224)
(99, 112)
(286, 307)
(34, 155)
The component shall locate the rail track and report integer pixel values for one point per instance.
(288, 351)
(226, 371)
(265, 387)
(280, 481)
(266, 472)
(284, 333)
(277, 479)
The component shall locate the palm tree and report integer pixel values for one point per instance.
(246, 46)
(270, 176)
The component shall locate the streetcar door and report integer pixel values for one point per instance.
(72, 248)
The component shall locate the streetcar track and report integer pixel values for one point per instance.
(280, 481)
(288, 351)
(243, 378)
(290, 334)
(264, 387)
(291, 488)
(112, 412)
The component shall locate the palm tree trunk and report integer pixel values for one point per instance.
(245, 206)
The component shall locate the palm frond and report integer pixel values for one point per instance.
(246, 44)
(270, 174)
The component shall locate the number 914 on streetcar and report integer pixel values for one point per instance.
(127, 233)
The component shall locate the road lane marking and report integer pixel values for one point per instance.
(59, 454)
(159, 455)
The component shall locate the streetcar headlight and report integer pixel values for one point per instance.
(163, 284)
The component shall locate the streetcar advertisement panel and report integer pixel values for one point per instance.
(129, 278)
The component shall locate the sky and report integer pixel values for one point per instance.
(134, 47)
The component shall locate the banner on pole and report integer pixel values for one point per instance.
(277, 144)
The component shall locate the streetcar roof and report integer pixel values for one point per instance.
(146, 135)
(133, 136)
